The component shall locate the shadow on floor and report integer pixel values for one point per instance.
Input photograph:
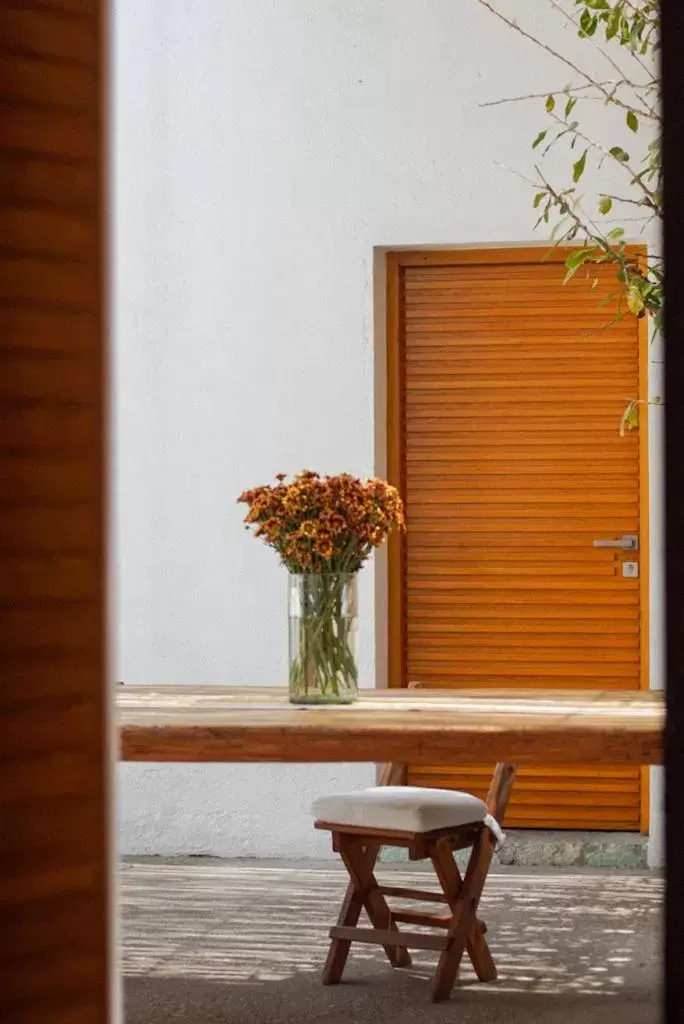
(301, 999)
(238, 942)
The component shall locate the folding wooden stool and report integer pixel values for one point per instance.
(431, 824)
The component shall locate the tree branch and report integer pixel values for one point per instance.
(552, 92)
(636, 177)
(633, 202)
(565, 60)
(635, 28)
(604, 53)
(586, 227)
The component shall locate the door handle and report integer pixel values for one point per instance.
(630, 542)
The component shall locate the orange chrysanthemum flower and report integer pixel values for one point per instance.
(324, 524)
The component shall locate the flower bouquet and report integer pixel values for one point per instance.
(324, 530)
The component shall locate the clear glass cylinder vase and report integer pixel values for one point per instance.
(323, 619)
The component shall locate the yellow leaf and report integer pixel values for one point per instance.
(630, 418)
(635, 302)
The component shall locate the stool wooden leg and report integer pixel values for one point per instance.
(451, 882)
(363, 891)
(360, 863)
(480, 955)
(465, 916)
(339, 948)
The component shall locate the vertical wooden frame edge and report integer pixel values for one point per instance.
(396, 578)
(644, 343)
(111, 1010)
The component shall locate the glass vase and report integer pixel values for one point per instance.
(323, 613)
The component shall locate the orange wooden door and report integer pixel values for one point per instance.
(512, 465)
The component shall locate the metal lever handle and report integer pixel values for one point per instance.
(630, 542)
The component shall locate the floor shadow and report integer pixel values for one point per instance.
(211, 942)
(367, 999)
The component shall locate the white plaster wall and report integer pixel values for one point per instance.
(263, 150)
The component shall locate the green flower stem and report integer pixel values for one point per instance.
(323, 666)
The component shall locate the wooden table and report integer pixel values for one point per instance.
(225, 723)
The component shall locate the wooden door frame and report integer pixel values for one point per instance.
(396, 261)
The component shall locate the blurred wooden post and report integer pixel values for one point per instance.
(672, 69)
(54, 699)
(396, 774)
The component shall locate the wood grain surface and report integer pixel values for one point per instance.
(511, 464)
(54, 700)
(219, 723)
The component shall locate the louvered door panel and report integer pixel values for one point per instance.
(513, 465)
(54, 872)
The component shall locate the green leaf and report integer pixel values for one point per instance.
(613, 23)
(550, 104)
(619, 153)
(558, 230)
(578, 167)
(605, 204)
(571, 273)
(569, 106)
(616, 233)
(575, 260)
(632, 121)
(538, 141)
(658, 321)
(538, 198)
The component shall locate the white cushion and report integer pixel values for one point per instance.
(400, 808)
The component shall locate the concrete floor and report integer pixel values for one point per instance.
(241, 942)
